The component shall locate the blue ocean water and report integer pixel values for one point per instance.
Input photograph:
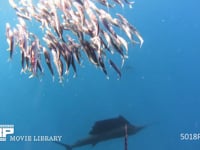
(160, 86)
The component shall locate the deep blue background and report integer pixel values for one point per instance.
(160, 85)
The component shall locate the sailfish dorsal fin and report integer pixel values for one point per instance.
(106, 125)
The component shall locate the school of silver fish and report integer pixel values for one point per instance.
(71, 29)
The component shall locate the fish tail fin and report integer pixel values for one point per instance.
(23, 71)
(67, 147)
(53, 78)
(9, 59)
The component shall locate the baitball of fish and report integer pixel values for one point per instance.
(71, 29)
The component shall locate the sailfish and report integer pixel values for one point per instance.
(104, 130)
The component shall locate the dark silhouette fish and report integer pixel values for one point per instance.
(105, 130)
(115, 68)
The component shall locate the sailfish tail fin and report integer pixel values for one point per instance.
(68, 147)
